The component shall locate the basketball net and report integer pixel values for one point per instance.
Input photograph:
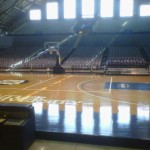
(50, 52)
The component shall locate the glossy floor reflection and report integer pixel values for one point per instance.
(67, 119)
(88, 121)
(53, 145)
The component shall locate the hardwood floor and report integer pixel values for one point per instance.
(92, 104)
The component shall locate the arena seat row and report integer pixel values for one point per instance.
(46, 60)
(11, 56)
(84, 57)
(125, 57)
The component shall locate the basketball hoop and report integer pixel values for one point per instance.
(51, 46)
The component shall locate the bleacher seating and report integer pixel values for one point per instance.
(125, 57)
(84, 58)
(11, 56)
(47, 60)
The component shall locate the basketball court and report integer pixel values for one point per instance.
(90, 104)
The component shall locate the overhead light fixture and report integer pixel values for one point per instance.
(125, 23)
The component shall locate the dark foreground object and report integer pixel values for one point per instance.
(17, 128)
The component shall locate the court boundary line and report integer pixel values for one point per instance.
(110, 85)
(98, 96)
(39, 83)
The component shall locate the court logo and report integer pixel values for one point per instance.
(123, 85)
(12, 82)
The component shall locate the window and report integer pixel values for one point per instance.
(69, 9)
(106, 8)
(87, 8)
(35, 14)
(126, 8)
(52, 10)
(145, 10)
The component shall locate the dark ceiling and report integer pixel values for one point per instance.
(14, 18)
